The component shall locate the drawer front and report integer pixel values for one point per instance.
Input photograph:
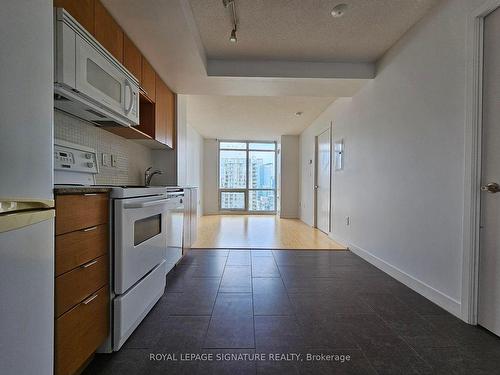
(79, 247)
(81, 331)
(76, 285)
(74, 212)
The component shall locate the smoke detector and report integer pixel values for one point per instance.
(339, 10)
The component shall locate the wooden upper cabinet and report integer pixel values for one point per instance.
(171, 119)
(108, 32)
(161, 111)
(132, 58)
(81, 10)
(148, 79)
(165, 114)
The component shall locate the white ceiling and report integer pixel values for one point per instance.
(304, 30)
(291, 56)
(167, 34)
(252, 118)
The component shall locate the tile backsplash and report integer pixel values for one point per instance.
(132, 158)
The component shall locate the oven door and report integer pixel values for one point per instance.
(101, 80)
(140, 238)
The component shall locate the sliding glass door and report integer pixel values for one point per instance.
(247, 176)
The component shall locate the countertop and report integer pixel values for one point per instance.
(61, 190)
(77, 189)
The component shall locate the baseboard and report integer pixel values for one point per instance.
(446, 302)
(288, 216)
(337, 239)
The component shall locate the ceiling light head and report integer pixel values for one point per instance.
(298, 113)
(339, 10)
(227, 2)
(233, 37)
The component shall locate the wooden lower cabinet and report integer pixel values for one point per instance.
(80, 331)
(78, 284)
(80, 211)
(77, 248)
(82, 277)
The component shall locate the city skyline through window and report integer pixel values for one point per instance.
(247, 176)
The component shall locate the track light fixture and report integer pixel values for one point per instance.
(234, 19)
(233, 37)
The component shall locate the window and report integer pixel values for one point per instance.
(247, 176)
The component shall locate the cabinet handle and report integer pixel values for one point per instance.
(89, 229)
(90, 299)
(87, 265)
(89, 194)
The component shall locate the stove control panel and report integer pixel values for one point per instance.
(74, 158)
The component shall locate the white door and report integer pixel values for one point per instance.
(323, 173)
(489, 267)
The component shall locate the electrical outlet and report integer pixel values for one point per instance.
(114, 161)
(347, 221)
(105, 160)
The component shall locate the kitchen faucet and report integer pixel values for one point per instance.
(148, 175)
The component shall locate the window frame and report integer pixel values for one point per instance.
(246, 190)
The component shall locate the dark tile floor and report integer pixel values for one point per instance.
(248, 303)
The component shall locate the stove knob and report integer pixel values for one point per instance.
(90, 165)
(88, 156)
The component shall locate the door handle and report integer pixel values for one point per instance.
(89, 264)
(129, 87)
(316, 187)
(147, 204)
(491, 187)
(90, 299)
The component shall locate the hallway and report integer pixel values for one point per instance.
(259, 232)
(221, 302)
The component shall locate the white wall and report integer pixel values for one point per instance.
(404, 166)
(289, 176)
(194, 163)
(132, 158)
(210, 190)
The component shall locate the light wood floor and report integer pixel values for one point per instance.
(259, 232)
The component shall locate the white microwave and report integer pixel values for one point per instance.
(88, 81)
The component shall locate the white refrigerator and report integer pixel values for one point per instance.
(26, 182)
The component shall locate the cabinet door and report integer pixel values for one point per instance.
(132, 58)
(108, 32)
(81, 10)
(80, 331)
(171, 118)
(148, 79)
(161, 111)
(80, 211)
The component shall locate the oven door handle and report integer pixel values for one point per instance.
(147, 204)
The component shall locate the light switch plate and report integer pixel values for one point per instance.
(105, 160)
(114, 161)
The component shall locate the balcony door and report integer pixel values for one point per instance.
(247, 176)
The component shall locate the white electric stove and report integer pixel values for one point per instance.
(145, 238)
